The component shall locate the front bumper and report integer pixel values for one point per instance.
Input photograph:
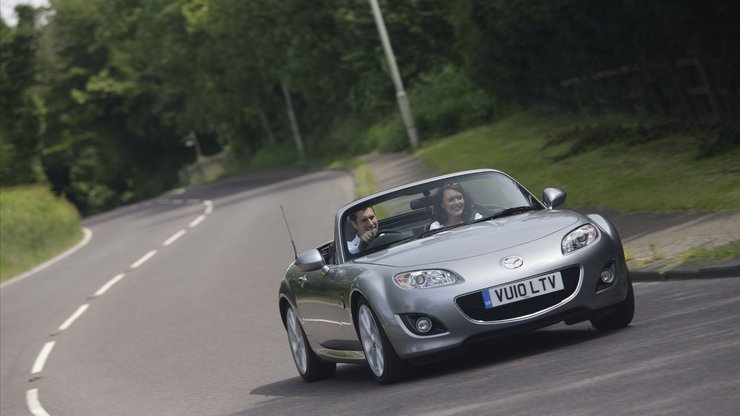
(459, 308)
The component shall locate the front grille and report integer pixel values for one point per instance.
(472, 304)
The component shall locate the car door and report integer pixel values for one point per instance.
(319, 302)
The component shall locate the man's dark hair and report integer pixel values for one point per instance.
(353, 214)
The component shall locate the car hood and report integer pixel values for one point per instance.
(475, 239)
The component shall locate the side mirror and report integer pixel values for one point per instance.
(553, 197)
(309, 261)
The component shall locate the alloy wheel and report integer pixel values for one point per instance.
(371, 341)
(297, 342)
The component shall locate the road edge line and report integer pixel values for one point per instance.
(87, 236)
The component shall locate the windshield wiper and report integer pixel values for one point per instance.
(507, 212)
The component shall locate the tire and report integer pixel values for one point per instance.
(619, 318)
(386, 366)
(309, 365)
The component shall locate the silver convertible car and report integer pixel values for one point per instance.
(430, 266)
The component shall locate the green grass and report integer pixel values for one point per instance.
(659, 175)
(364, 180)
(34, 226)
(269, 156)
(362, 174)
(725, 252)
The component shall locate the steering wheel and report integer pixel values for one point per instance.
(384, 237)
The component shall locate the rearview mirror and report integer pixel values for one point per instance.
(309, 261)
(553, 197)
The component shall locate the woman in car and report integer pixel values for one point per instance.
(453, 207)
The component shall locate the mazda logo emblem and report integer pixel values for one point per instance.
(512, 262)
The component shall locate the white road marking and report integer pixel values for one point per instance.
(38, 365)
(32, 399)
(197, 221)
(108, 285)
(174, 237)
(32, 396)
(87, 235)
(146, 257)
(74, 316)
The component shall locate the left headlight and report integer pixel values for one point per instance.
(423, 279)
(579, 238)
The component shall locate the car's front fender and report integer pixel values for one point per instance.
(610, 230)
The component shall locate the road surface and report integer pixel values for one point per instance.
(171, 309)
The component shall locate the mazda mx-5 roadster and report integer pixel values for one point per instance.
(430, 266)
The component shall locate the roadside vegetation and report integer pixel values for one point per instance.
(705, 254)
(617, 162)
(35, 225)
(629, 171)
(108, 102)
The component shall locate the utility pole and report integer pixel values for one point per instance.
(293, 122)
(403, 100)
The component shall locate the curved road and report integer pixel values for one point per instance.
(170, 309)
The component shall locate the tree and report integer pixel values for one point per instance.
(21, 106)
(113, 133)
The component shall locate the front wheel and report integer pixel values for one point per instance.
(619, 318)
(385, 364)
(309, 365)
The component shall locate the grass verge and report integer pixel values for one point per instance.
(661, 174)
(705, 254)
(361, 173)
(34, 226)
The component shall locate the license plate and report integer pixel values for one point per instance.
(524, 289)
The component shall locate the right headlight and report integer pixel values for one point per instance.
(423, 279)
(582, 236)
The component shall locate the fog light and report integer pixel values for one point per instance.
(607, 275)
(423, 325)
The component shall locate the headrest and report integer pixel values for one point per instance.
(422, 202)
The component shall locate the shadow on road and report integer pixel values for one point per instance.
(355, 382)
(502, 350)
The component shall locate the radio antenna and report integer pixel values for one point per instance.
(295, 252)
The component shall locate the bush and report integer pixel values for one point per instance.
(284, 154)
(443, 102)
(35, 225)
(724, 137)
(711, 138)
(345, 136)
(388, 135)
(448, 101)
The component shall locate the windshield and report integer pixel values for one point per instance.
(424, 210)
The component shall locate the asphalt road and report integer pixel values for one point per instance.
(194, 329)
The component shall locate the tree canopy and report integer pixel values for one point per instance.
(97, 97)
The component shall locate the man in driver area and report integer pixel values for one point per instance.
(363, 220)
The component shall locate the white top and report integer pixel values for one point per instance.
(354, 245)
(436, 224)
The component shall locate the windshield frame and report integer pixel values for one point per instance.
(417, 191)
